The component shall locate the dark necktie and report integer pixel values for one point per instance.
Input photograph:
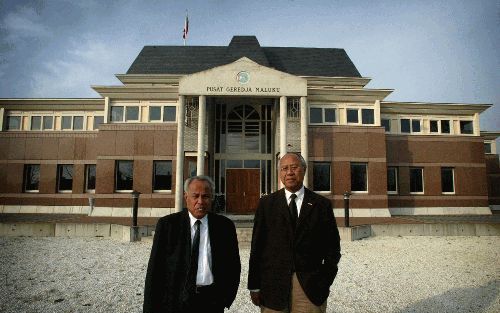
(293, 209)
(193, 266)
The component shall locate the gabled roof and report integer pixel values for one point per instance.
(183, 60)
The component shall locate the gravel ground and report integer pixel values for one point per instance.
(380, 274)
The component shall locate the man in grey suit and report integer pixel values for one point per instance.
(295, 246)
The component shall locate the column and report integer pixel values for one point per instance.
(2, 113)
(179, 165)
(304, 121)
(376, 113)
(106, 110)
(283, 116)
(202, 113)
(475, 124)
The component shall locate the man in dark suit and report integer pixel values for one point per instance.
(295, 245)
(195, 263)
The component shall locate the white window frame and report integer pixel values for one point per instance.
(115, 177)
(359, 116)
(390, 124)
(20, 122)
(124, 105)
(452, 180)
(154, 177)
(367, 178)
(58, 179)
(162, 113)
(323, 108)
(423, 181)
(53, 122)
(460, 127)
(87, 166)
(394, 192)
(93, 121)
(25, 179)
(329, 191)
(411, 119)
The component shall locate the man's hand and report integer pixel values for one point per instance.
(255, 295)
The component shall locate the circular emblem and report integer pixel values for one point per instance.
(243, 77)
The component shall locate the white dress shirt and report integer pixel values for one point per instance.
(204, 275)
(298, 200)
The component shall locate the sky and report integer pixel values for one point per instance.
(442, 51)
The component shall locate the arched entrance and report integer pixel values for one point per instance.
(243, 152)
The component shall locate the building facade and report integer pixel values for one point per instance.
(230, 112)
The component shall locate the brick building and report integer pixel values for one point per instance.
(230, 112)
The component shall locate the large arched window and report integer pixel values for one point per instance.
(243, 130)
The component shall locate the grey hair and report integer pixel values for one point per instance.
(298, 155)
(201, 178)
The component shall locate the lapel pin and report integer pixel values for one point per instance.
(309, 203)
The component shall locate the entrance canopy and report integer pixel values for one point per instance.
(243, 77)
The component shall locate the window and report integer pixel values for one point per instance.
(169, 113)
(36, 123)
(416, 180)
(78, 123)
(392, 180)
(90, 176)
(31, 178)
(466, 127)
(293, 108)
(445, 126)
(13, 122)
(124, 175)
(116, 114)
(367, 116)
(64, 177)
(415, 126)
(315, 115)
(352, 116)
(66, 122)
(154, 113)
(330, 115)
(192, 112)
(359, 178)
(487, 147)
(447, 180)
(405, 125)
(131, 113)
(72, 123)
(162, 176)
(410, 125)
(322, 115)
(434, 127)
(48, 122)
(98, 120)
(321, 176)
(386, 123)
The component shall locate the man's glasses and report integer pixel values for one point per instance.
(287, 168)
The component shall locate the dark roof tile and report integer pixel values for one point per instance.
(191, 59)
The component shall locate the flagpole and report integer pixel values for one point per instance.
(186, 28)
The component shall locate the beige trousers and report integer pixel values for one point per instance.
(299, 303)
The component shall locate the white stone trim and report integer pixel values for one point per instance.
(440, 211)
(363, 212)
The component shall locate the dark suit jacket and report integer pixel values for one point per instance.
(169, 262)
(312, 251)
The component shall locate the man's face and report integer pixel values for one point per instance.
(291, 172)
(198, 198)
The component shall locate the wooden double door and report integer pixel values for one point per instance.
(242, 190)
